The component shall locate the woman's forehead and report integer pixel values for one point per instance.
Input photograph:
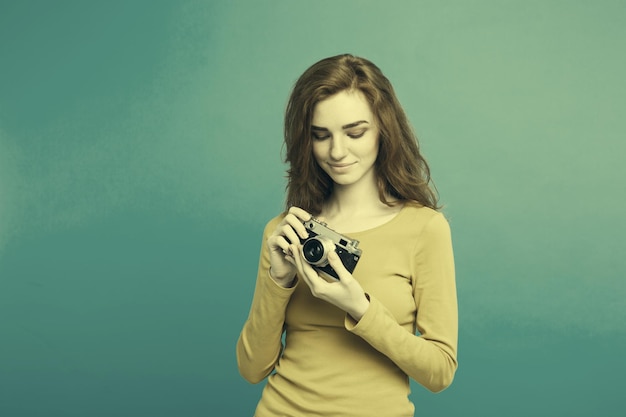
(341, 109)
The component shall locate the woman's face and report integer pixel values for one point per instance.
(345, 138)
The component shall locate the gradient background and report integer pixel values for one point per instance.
(140, 157)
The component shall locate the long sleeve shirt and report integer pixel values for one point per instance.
(330, 365)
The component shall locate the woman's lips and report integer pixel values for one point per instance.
(341, 167)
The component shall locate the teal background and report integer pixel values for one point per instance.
(140, 157)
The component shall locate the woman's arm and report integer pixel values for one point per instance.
(259, 345)
(431, 357)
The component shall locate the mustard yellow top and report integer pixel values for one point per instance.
(331, 365)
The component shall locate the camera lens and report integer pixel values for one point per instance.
(316, 250)
(313, 251)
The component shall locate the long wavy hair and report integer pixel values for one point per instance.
(403, 174)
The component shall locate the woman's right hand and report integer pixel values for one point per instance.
(283, 244)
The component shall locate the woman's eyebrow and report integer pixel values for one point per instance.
(355, 124)
(348, 126)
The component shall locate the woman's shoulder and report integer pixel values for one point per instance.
(418, 218)
(416, 211)
(271, 224)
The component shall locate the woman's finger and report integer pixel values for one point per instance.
(335, 262)
(290, 259)
(307, 272)
(296, 219)
(303, 215)
(288, 232)
(277, 243)
(291, 228)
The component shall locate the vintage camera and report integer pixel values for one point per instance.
(321, 241)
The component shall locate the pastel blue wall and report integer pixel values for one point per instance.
(140, 157)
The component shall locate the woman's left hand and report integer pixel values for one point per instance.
(346, 293)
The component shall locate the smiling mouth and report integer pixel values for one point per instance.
(341, 168)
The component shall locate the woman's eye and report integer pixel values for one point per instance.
(356, 135)
(320, 137)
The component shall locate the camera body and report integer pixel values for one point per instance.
(321, 241)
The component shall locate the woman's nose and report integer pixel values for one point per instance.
(338, 149)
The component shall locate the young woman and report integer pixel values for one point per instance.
(352, 343)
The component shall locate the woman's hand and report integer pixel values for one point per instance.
(280, 243)
(346, 293)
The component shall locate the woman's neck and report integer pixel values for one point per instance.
(350, 210)
(354, 200)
